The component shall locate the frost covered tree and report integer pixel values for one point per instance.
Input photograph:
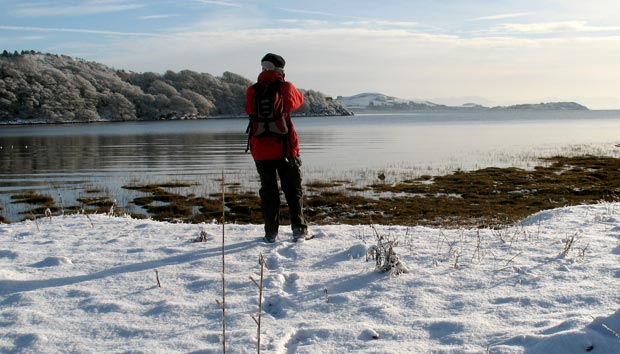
(58, 88)
(114, 106)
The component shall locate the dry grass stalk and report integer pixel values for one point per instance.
(259, 284)
(222, 304)
(157, 278)
(570, 241)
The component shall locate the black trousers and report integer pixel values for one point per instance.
(288, 170)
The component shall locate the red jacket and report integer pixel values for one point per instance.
(270, 147)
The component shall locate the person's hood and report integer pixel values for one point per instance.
(268, 76)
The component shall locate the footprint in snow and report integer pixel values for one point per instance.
(290, 281)
(273, 258)
(276, 305)
(96, 306)
(271, 262)
(53, 262)
(8, 254)
(79, 294)
(287, 252)
(199, 286)
(301, 337)
(337, 299)
(30, 341)
(17, 300)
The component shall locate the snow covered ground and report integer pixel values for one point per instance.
(78, 284)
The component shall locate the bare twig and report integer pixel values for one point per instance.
(62, 204)
(223, 303)
(157, 278)
(457, 255)
(34, 218)
(508, 262)
(568, 245)
(259, 284)
(478, 248)
(92, 226)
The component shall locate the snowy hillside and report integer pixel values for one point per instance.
(378, 101)
(88, 284)
(48, 88)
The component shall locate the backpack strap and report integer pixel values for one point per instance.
(249, 133)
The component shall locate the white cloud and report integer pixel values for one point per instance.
(219, 3)
(557, 27)
(77, 9)
(77, 30)
(381, 23)
(156, 17)
(355, 21)
(501, 16)
(304, 23)
(20, 39)
(307, 12)
(398, 62)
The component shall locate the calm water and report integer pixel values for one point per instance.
(67, 159)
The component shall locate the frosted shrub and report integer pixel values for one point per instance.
(385, 258)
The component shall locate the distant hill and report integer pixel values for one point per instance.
(381, 102)
(549, 106)
(377, 102)
(48, 88)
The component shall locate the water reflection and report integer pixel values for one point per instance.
(66, 159)
(76, 154)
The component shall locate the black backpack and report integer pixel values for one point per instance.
(269, 118)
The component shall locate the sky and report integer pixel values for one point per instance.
(482, 51)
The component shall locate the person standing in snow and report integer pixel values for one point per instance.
(276, 151)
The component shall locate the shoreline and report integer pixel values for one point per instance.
(47, 122)
(352, 113)
(487, 197)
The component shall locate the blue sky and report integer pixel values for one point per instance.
(486, 51)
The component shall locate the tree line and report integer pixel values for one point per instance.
(37, 87)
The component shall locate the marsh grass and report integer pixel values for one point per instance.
(488, 197)
(169, 202)
(37, 204)
(316, 185)
(32, 198)
(499, 196)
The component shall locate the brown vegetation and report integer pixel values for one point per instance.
(489, 197)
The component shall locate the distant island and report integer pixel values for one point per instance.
(50, 88)
(377, 102)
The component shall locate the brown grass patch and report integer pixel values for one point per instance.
(489, 197)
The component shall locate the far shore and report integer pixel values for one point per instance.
(193, 118)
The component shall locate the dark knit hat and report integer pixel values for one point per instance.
(272, 62)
